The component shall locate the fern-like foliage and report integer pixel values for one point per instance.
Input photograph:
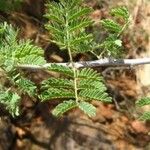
(87, 108)
(63, 107)
(76, 88)
(89, 86)
(61, 69)
(15, 52)
(112, 44)
(143, 102)
(26, 86)
(67, 22)
(11, 100)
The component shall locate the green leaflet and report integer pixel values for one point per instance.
(8, 64)
(80, 39)
(61, 69)
(111, 26)
(74, 4)
(118, 43)
(11, 101)
(55, 29)
(58, 83)
(55, 9)
(79, 13)
(95, 94)
(89, 73)
(120, 12)
(91, 84)
(81, 43)
(27, 53)
(56, 93)
(32, 60)
(143, 101)
(63, 107)
(2, 30)
(27, 47)
(55, 18)
(26, 86)
(87, 108)
(145, 116)
(112, 45)
(78, 26)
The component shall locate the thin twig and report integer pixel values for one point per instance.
(95, 63)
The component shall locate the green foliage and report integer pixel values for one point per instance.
(112, 44)
(11, 100)
(143, 102)
(92, 94)
(15, 52)
(26, 86)
(61, 69)
(63, 107)
(68, 20)
(114, 26)
(120, 12)
(56, 93)
(87, 73)
(145, 116)
(111, 25)
(67, 24)
(89, 86)
(87, 108)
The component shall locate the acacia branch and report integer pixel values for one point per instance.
(95, 63)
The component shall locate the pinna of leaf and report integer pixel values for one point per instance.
(15, 52)
(89, 85)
